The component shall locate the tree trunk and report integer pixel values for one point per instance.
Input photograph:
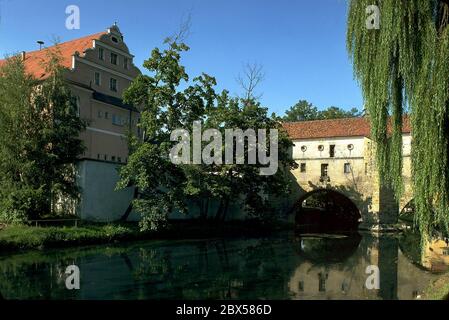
(130, 207)
(219, 210)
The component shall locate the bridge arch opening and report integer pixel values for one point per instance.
(326, 210)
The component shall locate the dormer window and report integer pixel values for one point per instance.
(114, 39)
(114, 58)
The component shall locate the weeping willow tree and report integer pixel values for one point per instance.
(403, 70)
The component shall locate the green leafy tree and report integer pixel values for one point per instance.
(404, 63)
(337, 113)
(39, 140)
(243, 181)
(164, 108)
(163, 186)
(305, 111)
(301, 111)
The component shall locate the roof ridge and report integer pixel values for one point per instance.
(68, 41)
(323, 120)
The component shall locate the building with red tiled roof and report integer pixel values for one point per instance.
(35, 60)
(339, 155)
(99, 67)
(332, 128)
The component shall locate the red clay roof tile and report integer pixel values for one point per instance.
(346, 127)
(34, 60)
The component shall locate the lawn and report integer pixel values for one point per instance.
(16, 237)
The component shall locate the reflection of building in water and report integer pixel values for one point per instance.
(343, 277)
(436, 256)
(398, 277)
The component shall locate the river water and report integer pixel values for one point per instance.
(283, 266)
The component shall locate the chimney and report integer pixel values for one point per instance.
(23, 54)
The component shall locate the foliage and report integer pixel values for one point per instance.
(242, 181)
(165, 187)
(404, 64)
(305, 111)
(26, 237)
(39, 140)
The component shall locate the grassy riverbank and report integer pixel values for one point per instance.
(439, 289)
(24, 237)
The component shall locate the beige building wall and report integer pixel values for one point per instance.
(108, 119)
(351, 170)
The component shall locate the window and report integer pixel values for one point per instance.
(322, 282)
(97, 78)
(303, 148)
(113, 158)
(114, 58)
(98, 156)
(350, 147)
(101, 53)
(324, 169)
(106, 115)
(114, 39)
(117, 120)
(113, 85)
(100, 114)
(119, 159)
(126, 63)
(303, 167)
(347, 168)
(320, 147)
(332, 150)
(77, 106)
(105, 157)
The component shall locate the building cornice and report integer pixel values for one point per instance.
(98, 66)
(106, 132)
(106, 46)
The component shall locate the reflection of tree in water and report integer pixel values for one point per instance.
(322, 250)
(34, 280)
(215, 269)
(41, 274)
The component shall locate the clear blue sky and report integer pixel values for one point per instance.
(300, 43)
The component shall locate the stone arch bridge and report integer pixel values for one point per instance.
(338, 156)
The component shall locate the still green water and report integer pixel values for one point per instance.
(284, 266)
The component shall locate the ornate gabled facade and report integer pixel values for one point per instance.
(99, 68)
